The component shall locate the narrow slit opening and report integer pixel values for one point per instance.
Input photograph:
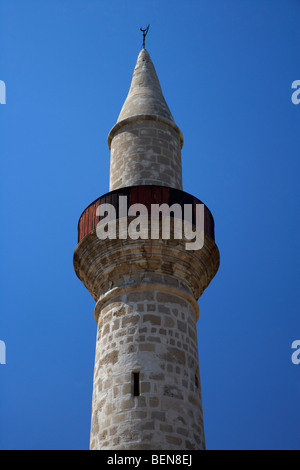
(136, 384)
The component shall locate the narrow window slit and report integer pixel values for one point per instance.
(136, 384)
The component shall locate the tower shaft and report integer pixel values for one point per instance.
(146, 383)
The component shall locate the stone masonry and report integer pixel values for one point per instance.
(147, 392)
(145, 143)
(153, 333)
(145, 152)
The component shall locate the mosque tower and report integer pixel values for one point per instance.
(146, 391)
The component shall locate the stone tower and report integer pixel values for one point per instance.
(146, 391)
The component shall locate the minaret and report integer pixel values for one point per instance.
(146, 392)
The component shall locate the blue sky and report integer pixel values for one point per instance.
(226, 69)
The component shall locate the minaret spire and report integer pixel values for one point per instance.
(145, 142)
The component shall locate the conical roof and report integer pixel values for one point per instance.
(145, 99)
(145, 96)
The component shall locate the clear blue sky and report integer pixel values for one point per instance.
(226, 69)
